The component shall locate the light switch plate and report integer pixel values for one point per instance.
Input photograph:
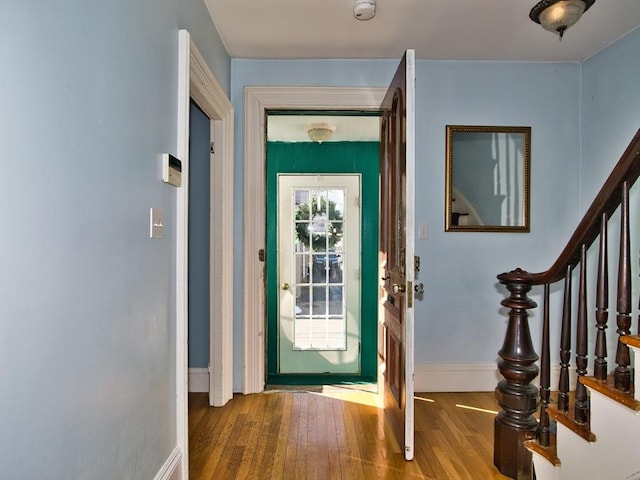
(156, 223)
(422, 232)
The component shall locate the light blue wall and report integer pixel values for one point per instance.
(88, 94)
(610, 118)
(610, 115)
(458, 321)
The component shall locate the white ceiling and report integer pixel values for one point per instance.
(349, 128)
(436, 29)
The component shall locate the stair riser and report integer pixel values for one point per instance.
(613, 455)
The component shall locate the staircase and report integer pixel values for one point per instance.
(589, 430)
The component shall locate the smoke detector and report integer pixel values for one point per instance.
(364, 9)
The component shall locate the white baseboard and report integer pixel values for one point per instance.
(171, 470)
(198, 379)
(456, 377)
(471, 377)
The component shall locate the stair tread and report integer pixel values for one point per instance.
(631, 340)
(549, 453)
(606, 388)
(568, 420)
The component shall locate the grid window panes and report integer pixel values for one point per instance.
(320, 320)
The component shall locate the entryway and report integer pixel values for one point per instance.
(321, 258)
(397, 104)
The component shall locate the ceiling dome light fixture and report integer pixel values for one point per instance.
(558, 15)
(320, 132)
(364, 9)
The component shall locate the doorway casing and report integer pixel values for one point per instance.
(257, 101)
(196, 81)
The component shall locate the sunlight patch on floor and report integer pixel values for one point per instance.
(350, 394)
(459, 405)
(476, 409)
(423, 399)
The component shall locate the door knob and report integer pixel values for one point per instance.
(285, 286)
(396, 288)
(419, 288)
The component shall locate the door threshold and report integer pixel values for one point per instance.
(320, 380)
(368, 387)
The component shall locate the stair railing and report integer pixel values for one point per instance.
(516, 424)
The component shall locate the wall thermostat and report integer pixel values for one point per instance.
(171, 170)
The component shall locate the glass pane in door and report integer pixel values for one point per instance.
(320, 323)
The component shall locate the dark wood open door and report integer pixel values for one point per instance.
(397, 251)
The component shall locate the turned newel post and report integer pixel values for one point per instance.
(516, 395)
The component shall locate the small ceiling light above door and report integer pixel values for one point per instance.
(320, 132)
(364, 9)
(558, 15)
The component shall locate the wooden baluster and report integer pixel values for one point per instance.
(516, 395)
(602, 306)
(622, 374)
(545, 374)
(582, 402)
(565, 346)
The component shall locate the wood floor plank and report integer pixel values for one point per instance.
(301, 435)
(314, 463)
(249, 437)
(208, 437)
(321, 439)
(313, 435)
(333, 444)
(280, 453)
(267, 439)
(291, 436)
(221, 454)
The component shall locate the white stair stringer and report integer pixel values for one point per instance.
(545, 470)
(615, 455)
(635, 353)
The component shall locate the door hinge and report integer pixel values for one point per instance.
(358, 202)
(261, 255)
(212, 148)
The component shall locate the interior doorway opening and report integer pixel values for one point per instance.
(195, 81)
(333, 292)
(321, 294)
(258, 102)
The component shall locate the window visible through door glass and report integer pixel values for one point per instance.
(320, 321)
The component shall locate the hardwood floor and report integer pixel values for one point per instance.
(339, 434)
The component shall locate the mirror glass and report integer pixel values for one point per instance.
(487, 179)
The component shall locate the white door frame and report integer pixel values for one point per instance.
(196, 81)
(257, 101)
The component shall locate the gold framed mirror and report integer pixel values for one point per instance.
(487, 179)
